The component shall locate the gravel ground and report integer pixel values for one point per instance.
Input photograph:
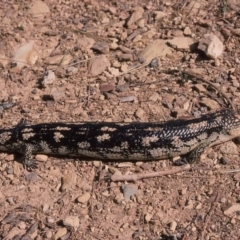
(123, 61)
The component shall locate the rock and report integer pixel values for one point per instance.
(138, 32)
(125, 49)
(60, 233)
(141, 23)
(38, 9)
(30, 177)
(85, 43)
(50, 219)
(123, 87)
(140, 113)
(71, 221)
(9, 157)
(154, 97)
(113, 232)
(182, 43)
(49, 78)
(212, 104)
(116, 64)
(229, 148)
(128, 99)
(148, 217)
(125, 164)
(124, 68)
(119, 198)
(3, 60)
(98, 65)
(137, 38)
(57, 94)
(200, 87)
(41, 157)
(107, 87)
(112, 10)
(45, 207)
(48, 235)
(189, 204)
(136, 14)
(159, 15)
(183, 191)
(71, 70)
(84, 198)
(173, 226)
(232, 209)
(17, 168)
(199, 206)
(114, 46)
(68, 180)
(102, 47)
(14, 231)
(139, 164)
(113, 71)
(25, 54)
(97, 163)
(59, 60)
(125, 57)
(22, 225)
(129, 190)
(6, 21)
(211, 45)
(193, 7)
(187, 31)
(105, 20)
(156, 49)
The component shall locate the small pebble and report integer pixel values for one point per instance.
(71, 221)
(84, 198)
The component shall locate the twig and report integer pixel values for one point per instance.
(135, 177)
(207, 219)
(135, 68)
(199, 77)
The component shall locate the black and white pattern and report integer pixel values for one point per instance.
(122, 141)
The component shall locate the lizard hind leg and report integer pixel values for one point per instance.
(195, 154)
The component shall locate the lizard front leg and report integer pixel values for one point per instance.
(28, 161)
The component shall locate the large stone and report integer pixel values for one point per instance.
(98, 65)
(25, 55)
(211, 45)
(38, 8)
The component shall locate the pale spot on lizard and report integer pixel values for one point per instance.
(61, 129)
(110, 129)
(103, 137)
(124, 145)
(146, 141)
(84, 144)
(57, 136)
(27, 130)
(26, 136)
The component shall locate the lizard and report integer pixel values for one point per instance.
(135, 141)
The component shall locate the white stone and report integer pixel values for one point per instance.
(84, 198)
(98, 65)
(25, 54)
(159, 15)
(71, 221)
(211, 45)
(37, 8)
(136, 14)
